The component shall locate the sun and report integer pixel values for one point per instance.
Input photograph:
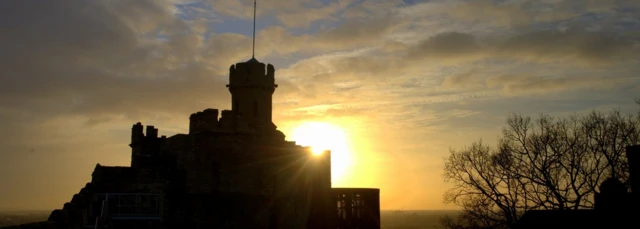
(322, 136)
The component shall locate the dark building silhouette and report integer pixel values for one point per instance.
(357, 207)
(233, 169)
(614, 206)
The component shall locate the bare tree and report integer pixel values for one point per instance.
(546, 163)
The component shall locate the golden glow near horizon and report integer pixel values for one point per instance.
(321, 136)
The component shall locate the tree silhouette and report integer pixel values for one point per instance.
(545, 164)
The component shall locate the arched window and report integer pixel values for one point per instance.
(255, 108)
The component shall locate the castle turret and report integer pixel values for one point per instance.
(252, 85)
(152, 132)
(137, 143)
(144, 149)
(137, 133)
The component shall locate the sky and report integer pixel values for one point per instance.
(405, 80)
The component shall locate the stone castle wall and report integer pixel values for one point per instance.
(276, 176)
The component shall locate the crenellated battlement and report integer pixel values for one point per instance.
(152, 132)
(137, 132)
(252, 74)
(227, 119)
(144, 146)
(206, 120)
(138, 135)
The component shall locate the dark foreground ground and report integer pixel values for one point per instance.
(427, 219)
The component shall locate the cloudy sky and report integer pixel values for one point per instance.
(406, 80)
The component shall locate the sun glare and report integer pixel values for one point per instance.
(321, 136)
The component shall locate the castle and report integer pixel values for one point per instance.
(233, 169)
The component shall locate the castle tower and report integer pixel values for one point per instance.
(251, 85)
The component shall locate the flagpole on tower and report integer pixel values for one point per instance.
(253, 52)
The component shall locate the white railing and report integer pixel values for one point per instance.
(102, 210)
(133, 204)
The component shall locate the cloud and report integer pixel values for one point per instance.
(88, 58)
(549, 52)
(448, 46)
(462, 80)
(100, 66)
(526, 14)
(590, 47)
(372, 8)
(305, 16)
(350, 35)
(571, 47)
(513, 85)
(289, 13)
(394, 46)
(511, 15)
(360, 33)
(280, 41)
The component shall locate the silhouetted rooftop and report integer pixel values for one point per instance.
(253, 60)
(613, 185)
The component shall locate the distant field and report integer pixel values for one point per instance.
(426, 219)
(21, 217)
(389, 219)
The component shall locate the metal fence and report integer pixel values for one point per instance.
(132, 205)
